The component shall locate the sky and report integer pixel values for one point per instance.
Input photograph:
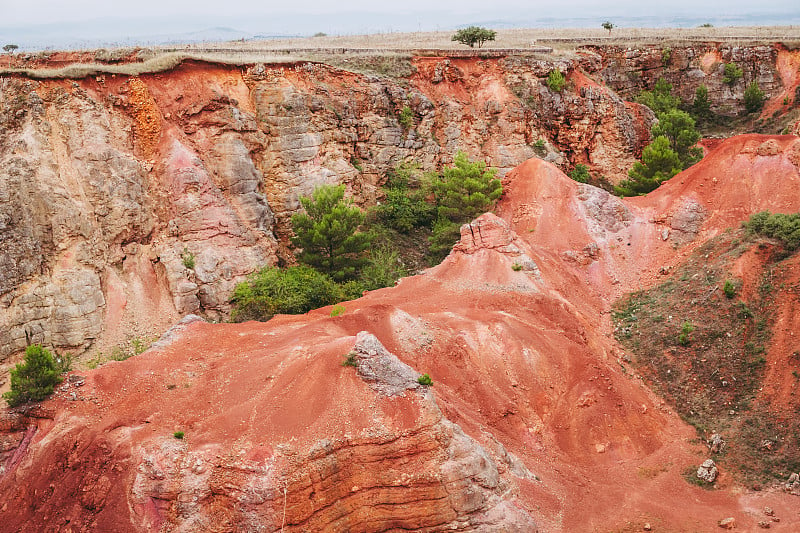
(29, 12)
(39, 23)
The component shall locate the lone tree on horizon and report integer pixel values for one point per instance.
(474, 35)
(10, 48)
(608, 25)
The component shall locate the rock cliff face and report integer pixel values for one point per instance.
(629, 70)
(127, 202)
(534, 419)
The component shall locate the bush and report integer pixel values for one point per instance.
(660, 98)
(701, 106)
(474, 35)
(328, 233)
(684, 338)
(444, 235)
(608, 25)
(732, 73)
(405, 205)
(580, 173)
(463, 191)
(337, 310)
(729, 288)
(679, 128)
(466, 190)
(556, 81)
(34, 379)
(406, 118)
(293, 291)
(783, 227)
(753, 98)
(179, 435)
(383, 269)
(425, 379)
(659, 163)
(187, 258)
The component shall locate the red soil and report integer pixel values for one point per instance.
(517, 357)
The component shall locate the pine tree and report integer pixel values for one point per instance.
(466, 189)
(678, 127)
(659, 162)
(701, 107)
(660, 99)
(34, 379)
(328, 233)
(463, 192)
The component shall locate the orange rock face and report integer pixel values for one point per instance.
(530, 424)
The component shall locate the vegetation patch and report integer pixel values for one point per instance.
(703, 349)
(35, 378)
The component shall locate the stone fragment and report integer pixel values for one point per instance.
(707, 471)
(716, 443)
(727, 523)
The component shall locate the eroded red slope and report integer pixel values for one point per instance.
(532, 418)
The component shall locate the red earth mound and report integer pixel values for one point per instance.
(532, 420)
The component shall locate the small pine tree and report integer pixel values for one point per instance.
(556, 81)
(659, 162)
(678, 127)
(580, 173)
(608, 25)
(660, 98)
(328, 234)
(463, 192)
(753, 98)
(701, 106)
(34, 379)
(731, 73)
(466, 189)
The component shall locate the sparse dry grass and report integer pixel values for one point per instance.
(388, 53)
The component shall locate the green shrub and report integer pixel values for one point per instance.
(34, 379)
(187, 258)
(294, 290)
(679, 128)
(753, 98)
(406, 118)
(425, 379)
(516, 267)
(729, 288)
(463, 191)
(350, 359)
(659, 163)
(405, 205)
(337, 310)
(328, 234)
(666, 55)
(684, 338)
(383, 269)
(660, 98)
(732, 73)
(556, 81)
(178, 434)
(783, 227)
(580, 173)
(444, 235)
(701, 106)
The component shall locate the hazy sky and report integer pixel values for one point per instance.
(28, 12)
